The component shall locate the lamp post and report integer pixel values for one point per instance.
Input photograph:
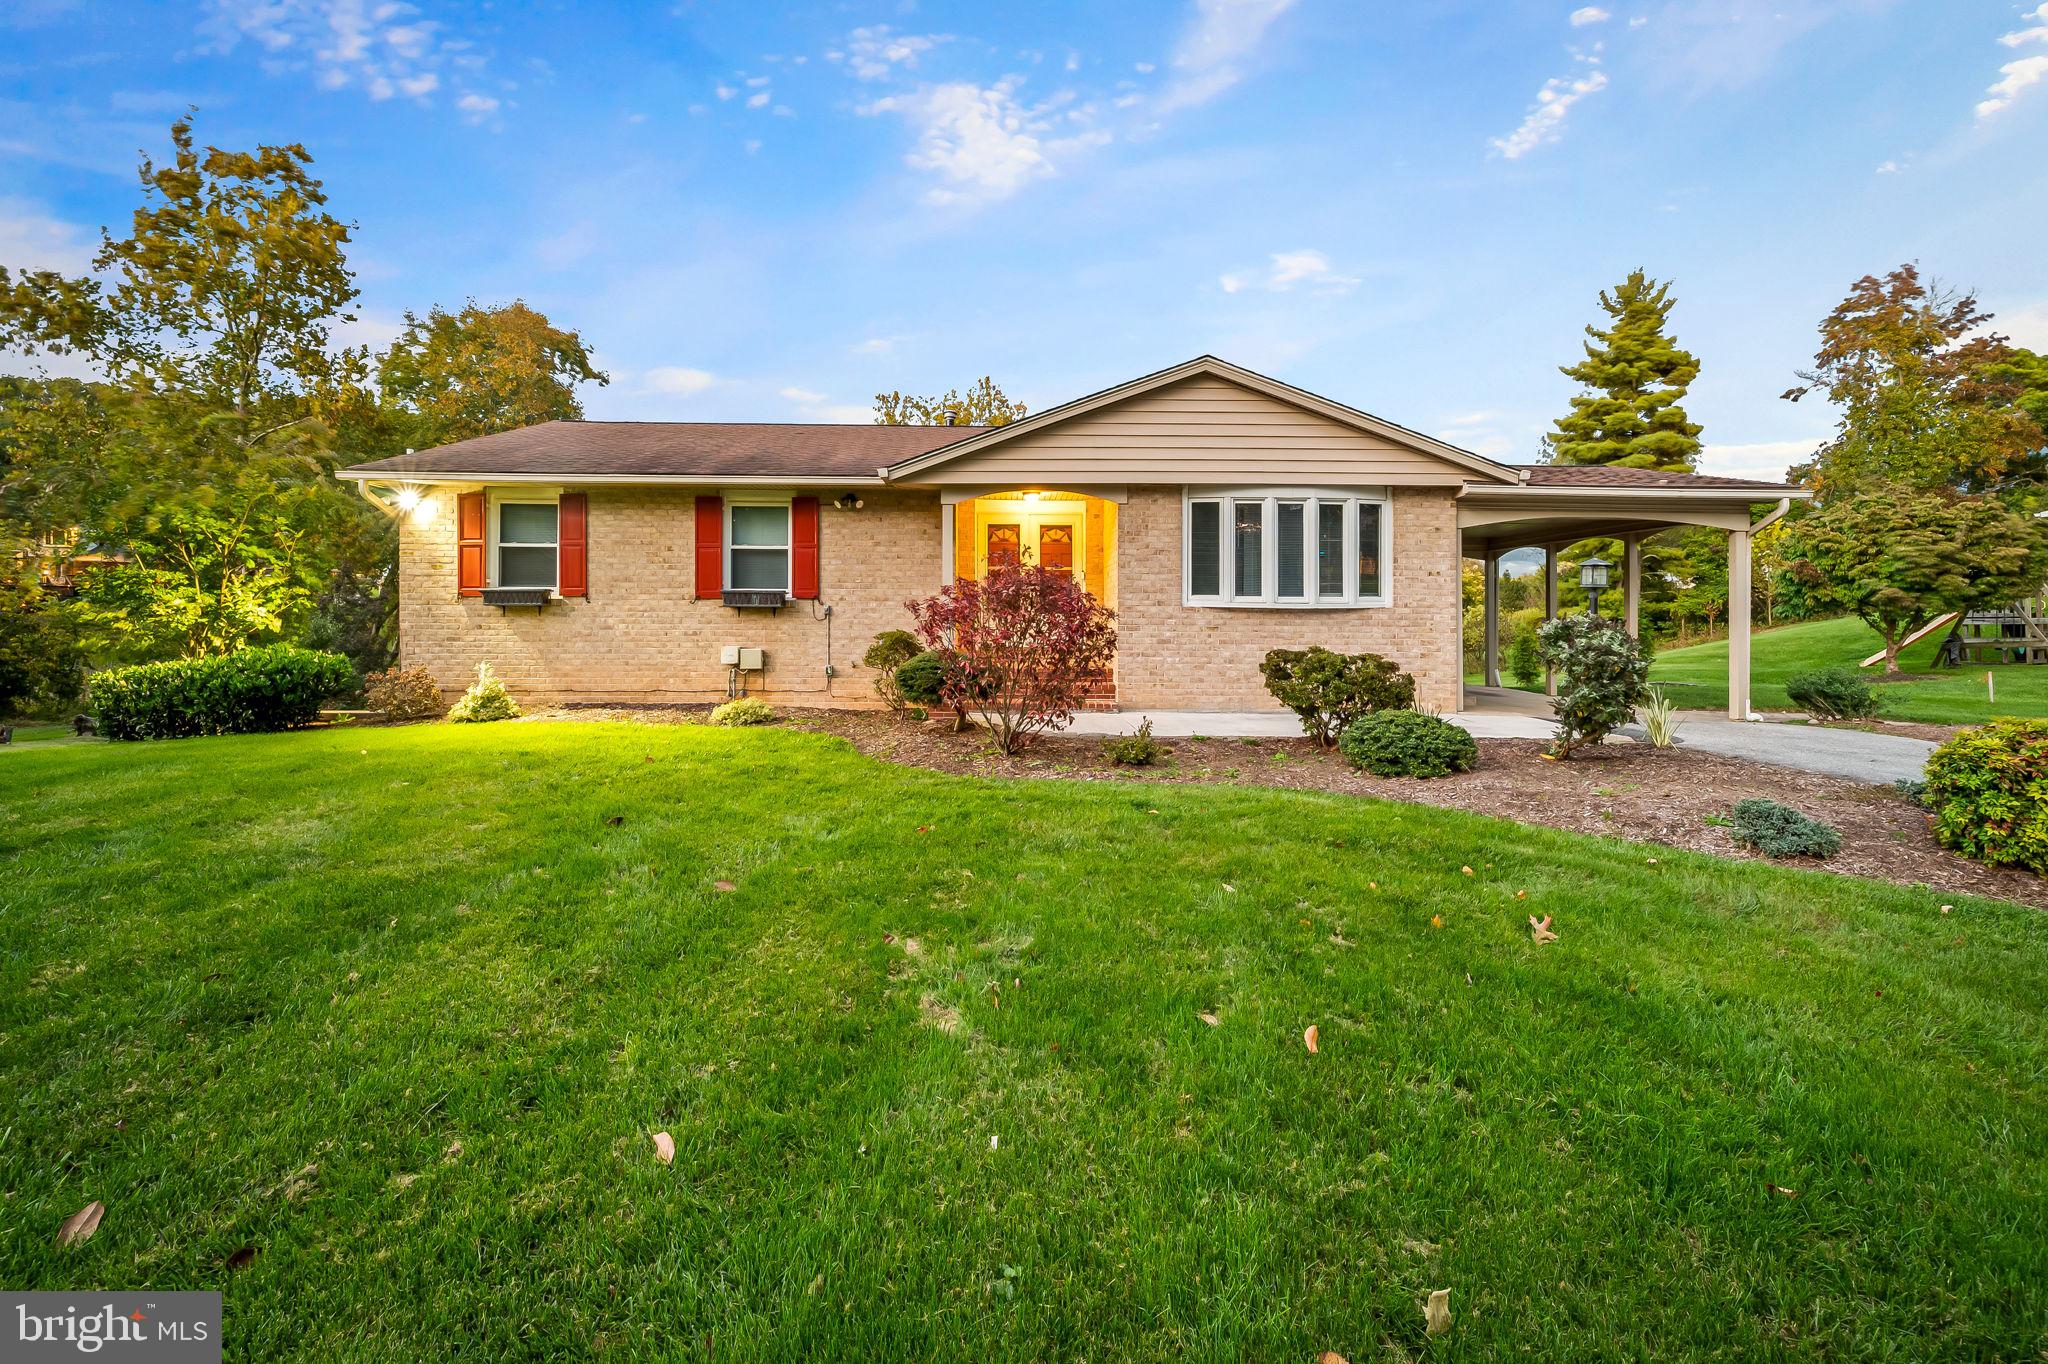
(1593, 577)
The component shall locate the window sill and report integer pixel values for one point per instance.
(519, 596)
(760, 598)
(1365, 604)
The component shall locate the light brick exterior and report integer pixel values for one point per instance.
(1175, 657)
(641, 635)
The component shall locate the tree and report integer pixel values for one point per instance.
(1021, 646)
(983, 405)
(1638, 375)
(451, 376)
(212, 321)
(1929, 398)
(1897, 560)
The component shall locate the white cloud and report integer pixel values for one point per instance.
(679, 380)
(476, 108)
(805, 396)
(380, 47)
(724, 91)
(1544, 122)
(30, 239)
(1287, 269)
(2026, 326)
(1210, 56)
(2018, 75)
(1589, 14)
(756, 82)
(981, 141)
(1144, 68)
(759, 99)
(1762, 459)
(876, 345)
(871, 54)
(818, 408)
(1888, 168)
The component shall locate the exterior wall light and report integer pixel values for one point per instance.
(1593, 577)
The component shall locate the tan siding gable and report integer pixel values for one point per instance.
(1203, 429)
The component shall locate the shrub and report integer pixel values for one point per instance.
(1021, 647)
(746, 710)
(921, 680)
(404, 694)
(1988, 789)
(249, 692)
(1660, 718)
(1780, 831)
(890, 651)
(1407, 743)
(486, 700)
(1833, 694)
(1134, 750)
(1600, 674)
(1330, 690)
(1525, 659)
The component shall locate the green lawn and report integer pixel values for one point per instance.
(370, 1027)
(1955, 697)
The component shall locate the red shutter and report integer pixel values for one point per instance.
(574, 572)
(803, 548)
(469, 544)
(710, 546)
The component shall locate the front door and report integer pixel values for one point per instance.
(1049, 539)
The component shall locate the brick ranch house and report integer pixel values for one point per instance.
(1220, 513)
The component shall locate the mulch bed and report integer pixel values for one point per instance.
(1622, 790)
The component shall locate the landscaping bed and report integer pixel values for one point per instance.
(1623, 790)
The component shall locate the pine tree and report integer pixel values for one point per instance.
(1638, 376)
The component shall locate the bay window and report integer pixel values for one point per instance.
(1285, 547)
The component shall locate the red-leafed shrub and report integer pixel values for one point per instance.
(1020, 646)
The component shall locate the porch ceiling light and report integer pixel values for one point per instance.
(408, 497)
(1031, 497)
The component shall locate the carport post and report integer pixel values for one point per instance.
(1490, 671)
(1549, 610)
(1738, 625)
(1632, 584)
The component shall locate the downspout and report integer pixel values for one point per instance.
(1784, 505)
(363, 488)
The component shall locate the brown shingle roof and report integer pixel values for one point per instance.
(679, 449)
(1605, 476)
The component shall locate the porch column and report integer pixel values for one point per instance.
(946, 543)
(1738, 625)
(1489, 672)
(1632, 584)
(1549, 610)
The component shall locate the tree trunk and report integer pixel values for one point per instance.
(1891, 654)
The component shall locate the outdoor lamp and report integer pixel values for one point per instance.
(1593, 577)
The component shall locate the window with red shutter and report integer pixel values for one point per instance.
(710, 546)
(573, 536)
(803, 548)
(469, 544)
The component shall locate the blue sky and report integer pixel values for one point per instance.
(770, 212)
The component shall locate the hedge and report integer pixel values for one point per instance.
(250, 692)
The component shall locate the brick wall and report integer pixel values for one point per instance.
(641, 635)
(1171, 656)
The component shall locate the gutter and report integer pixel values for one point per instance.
(1784, 505)
(367, 476)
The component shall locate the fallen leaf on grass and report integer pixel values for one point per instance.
(1539, 929)
(664, 1148)
(1308, 1039)
(1372, 885)
(1947, 909)
(616, 820)
(1229, 888)
(241, 1256)
(1331, 1357)
(1437, 1315)
(911, 947)
(723, 886)
(1780, 1190)
(79, 1227)
(1211, 1019)
(1466, 870)
(1521, 895)
(1436, 921)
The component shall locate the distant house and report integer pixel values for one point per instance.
(60, 557)
(1221, 514)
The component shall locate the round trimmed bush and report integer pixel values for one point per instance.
(1407, 743)
(1988, 788)
(919, 680)
(747, 710)
(1832, 693)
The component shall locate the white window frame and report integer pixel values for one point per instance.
(1312, 500)
(520, 497)
(755, 498)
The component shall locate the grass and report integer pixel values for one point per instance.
(1949, 696)
(370, 1029)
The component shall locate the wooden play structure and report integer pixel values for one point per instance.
(2017, 633)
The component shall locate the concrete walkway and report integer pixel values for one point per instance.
(1266, 724)
(1876, 758)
